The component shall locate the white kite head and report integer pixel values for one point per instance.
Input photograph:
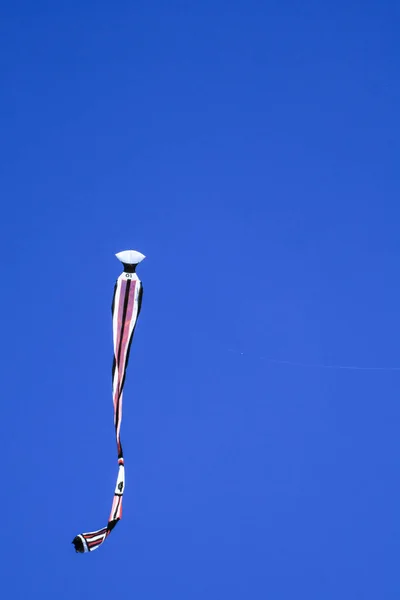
(130, 257)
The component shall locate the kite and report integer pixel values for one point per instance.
(126, 305)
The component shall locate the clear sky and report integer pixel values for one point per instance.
(251, 150)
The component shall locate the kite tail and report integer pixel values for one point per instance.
(87, 542)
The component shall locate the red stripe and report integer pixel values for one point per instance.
(97, 543)
(88, 536)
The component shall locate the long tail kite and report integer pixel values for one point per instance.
(126, 306)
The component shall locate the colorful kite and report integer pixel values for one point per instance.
(126, 306)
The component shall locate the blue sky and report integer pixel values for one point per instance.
(251, 151)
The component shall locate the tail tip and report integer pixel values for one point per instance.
(78, 544)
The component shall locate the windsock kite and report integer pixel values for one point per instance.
(126, 305)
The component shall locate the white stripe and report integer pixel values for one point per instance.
(120, 478)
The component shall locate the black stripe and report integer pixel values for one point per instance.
(140, 298)
(114, 366)
(113, 298)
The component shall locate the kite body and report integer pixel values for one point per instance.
(126, 307)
